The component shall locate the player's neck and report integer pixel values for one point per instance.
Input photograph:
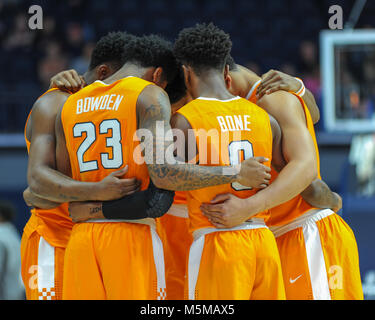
(128, 70)
(212, 85)
(250, 78)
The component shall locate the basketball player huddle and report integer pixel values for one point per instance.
(227, 203)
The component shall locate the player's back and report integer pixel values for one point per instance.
(100, 124)
(234, 130)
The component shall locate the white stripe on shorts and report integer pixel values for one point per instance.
(195, 255)
(314, 251)
(157, 248)
(46, 269)
(315, 261)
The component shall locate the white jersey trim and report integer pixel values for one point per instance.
(252, 89)
(214, 99)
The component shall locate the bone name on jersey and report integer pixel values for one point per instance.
(234, 123)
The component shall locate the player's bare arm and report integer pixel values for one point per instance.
(278, 161)
(32, 200)
(227, 210)
(154, 109)
(319, 195)
(43, 178)
(298, 150)
(150, 203)
(274, 80)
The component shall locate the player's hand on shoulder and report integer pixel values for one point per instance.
(253, 173)
(274, 80)
(68, 80)
(114, 186)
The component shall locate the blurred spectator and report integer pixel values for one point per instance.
(53, 62)
(309, 58)
(11, 287)
(81, 63)
(74, 23)
(48, 34)
(21, 36)
(289, 68)
(74, 39)
(309, 67)
(254, 67)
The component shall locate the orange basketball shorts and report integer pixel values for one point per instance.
(319, 258)
(173, 229)
(114, 261)
(234, 264)
(41, 268)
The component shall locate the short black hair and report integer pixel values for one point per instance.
(153, 51)
(231, 63)
(110, 49)
(204, 46)
(7, 211)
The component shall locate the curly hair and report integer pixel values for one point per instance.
(202, 47)
(176, 89)
(153, 51)
(110, 49)
(231, 63)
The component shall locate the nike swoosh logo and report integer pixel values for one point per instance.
(295, 279)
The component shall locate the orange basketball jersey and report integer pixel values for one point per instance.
(180, 197)
(100, 124)
(297, 206)
(226, 131)
(54, 225)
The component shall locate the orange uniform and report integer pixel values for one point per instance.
(106, 259)
(318, 250)
(242, 262)
(173, 228)
(43, 244)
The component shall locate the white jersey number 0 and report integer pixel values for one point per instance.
(234, 148)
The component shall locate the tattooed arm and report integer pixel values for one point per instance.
(154, 112)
